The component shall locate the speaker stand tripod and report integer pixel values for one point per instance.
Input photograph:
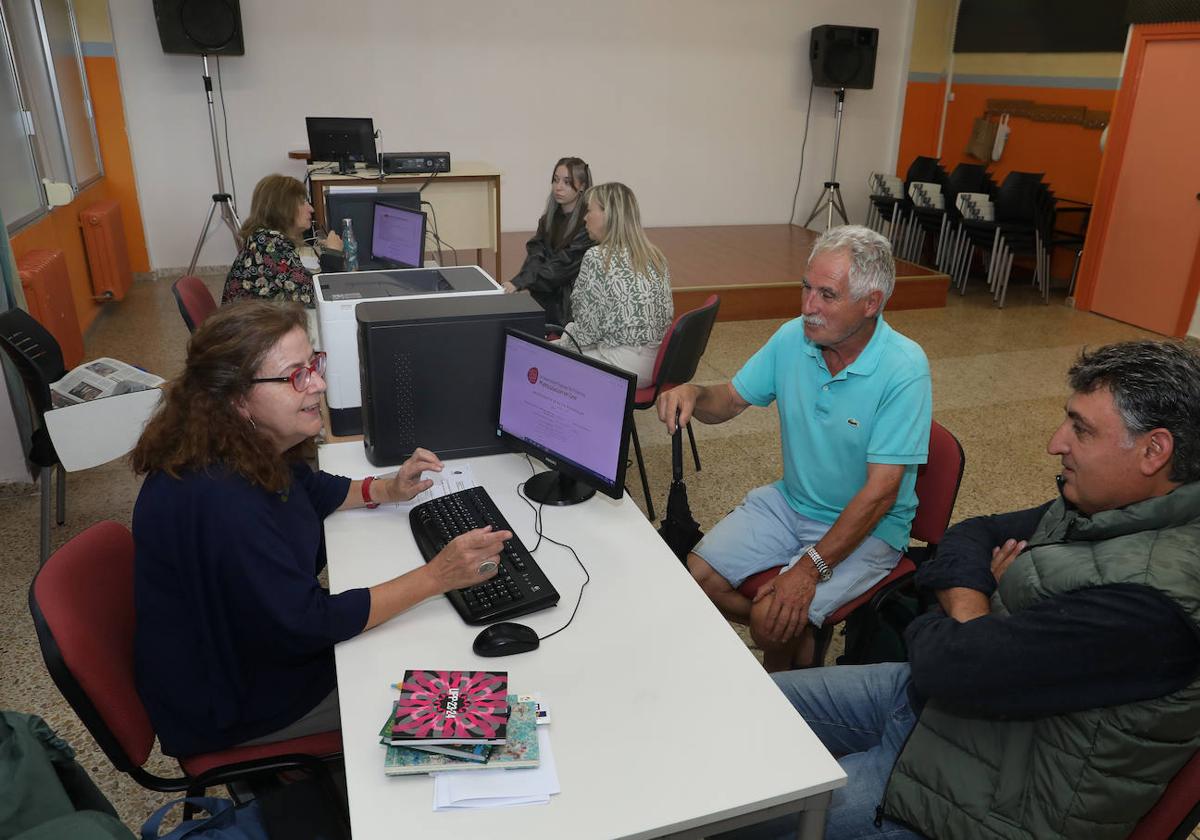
(221, 200)
(831, 198)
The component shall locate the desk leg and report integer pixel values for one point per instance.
(812, 818)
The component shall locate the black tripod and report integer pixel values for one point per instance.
(220, 199)
(831, 198)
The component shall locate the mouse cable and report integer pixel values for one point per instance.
(537, 525)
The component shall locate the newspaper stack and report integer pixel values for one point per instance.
(103, 377)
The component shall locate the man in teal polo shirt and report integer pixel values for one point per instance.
(855, 406)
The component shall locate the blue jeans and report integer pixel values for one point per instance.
(861, 713)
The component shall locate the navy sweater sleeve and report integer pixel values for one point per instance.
(964, 557)
(325, 491)
(1080, 650)
(234, 636)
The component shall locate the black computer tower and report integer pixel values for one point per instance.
(430, 372)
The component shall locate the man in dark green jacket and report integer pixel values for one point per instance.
(1057, 690)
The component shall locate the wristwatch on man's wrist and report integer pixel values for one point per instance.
(824, 573)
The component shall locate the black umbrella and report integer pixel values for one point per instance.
(679, 529)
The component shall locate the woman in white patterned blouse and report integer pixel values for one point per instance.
(622, 299)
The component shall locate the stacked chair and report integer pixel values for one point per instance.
(944, 219)
(896, 211)
(1017, 221)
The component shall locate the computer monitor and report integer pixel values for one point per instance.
(571, 412)
(398, 235)
(346, 140)
(355, 200)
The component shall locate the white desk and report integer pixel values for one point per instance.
(663, 722)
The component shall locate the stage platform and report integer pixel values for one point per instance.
(756, 269)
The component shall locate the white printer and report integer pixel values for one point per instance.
(337, 296)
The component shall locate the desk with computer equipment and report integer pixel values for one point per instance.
(664, 724)
(464, 202)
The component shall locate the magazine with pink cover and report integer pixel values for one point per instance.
(451, 707)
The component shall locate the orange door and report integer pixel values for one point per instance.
(1144, 268)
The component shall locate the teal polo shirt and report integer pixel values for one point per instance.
(875, 411)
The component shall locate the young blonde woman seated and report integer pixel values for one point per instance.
(622, 299)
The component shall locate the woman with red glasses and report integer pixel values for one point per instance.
(234, 635)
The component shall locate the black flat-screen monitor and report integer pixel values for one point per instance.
(356, 201)
(571, 412)
(344, 140)
(398, 235)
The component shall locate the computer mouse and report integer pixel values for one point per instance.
(504, 639)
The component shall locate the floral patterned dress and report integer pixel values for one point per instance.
(268, 268)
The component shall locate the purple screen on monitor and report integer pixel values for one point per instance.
(398, 235)
(563, 405)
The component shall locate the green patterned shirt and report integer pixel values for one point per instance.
(620, 307)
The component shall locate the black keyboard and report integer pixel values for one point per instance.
(519, 587)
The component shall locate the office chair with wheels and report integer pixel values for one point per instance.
(194, 299)
(678, 357)
(82, 606)
(938, 481)
(38, 358)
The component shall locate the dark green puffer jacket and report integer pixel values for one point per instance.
(1089, 775)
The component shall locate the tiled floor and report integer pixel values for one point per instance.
(998, 385)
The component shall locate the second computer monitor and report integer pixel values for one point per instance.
(568, 411)
(398, 235)
(343, 140)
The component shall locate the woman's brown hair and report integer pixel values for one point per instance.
(197, 425)
(561, 227)
(273, 206)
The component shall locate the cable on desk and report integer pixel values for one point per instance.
(437, 236)
(537, 527)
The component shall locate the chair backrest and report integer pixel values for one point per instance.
(194, 299)
(35, 352)
(684, 344)
(1177, 811)
(937, 485)
(82, 606)
(924, 169)
(1017, 197)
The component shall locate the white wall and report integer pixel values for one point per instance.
(698, 105)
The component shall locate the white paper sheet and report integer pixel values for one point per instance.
(449, 480)
(500, 788)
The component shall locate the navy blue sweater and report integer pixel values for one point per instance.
(235, 635)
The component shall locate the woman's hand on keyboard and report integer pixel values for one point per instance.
(459, 564)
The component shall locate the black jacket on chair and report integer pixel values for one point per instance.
(549, 273)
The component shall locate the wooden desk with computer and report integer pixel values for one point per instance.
(465, 204)
(664, 724)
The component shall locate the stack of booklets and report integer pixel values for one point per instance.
(458, 720)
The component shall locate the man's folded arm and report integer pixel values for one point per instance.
(1074, 651)
(964, 556)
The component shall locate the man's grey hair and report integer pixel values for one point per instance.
(871, 265)
(1155, 384)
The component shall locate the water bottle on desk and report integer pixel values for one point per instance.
(349, 246)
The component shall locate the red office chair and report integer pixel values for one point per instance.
(194, 299)
(1177, 811)
(678, 357)
(937, 488)
(82, 606)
